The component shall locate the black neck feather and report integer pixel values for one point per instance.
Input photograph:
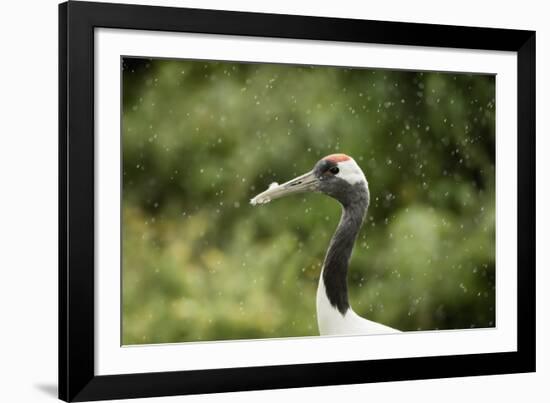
(335, 267)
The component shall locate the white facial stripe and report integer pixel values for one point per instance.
(350, 172)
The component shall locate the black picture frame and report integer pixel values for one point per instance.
(77, 379)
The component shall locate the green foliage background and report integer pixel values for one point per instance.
(201, 138)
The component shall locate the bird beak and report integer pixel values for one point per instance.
(304, 183)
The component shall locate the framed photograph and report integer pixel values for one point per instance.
(259, 201)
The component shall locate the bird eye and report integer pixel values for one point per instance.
(334, 170)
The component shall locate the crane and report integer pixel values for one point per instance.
(340, 177)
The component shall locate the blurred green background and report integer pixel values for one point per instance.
(201, 138)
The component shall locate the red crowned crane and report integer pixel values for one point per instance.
(339, 177)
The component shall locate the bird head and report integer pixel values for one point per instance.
(336, 175)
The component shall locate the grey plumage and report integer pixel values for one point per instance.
(355, 201)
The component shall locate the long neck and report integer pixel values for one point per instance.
(335, 267)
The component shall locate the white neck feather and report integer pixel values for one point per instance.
(332, 322)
